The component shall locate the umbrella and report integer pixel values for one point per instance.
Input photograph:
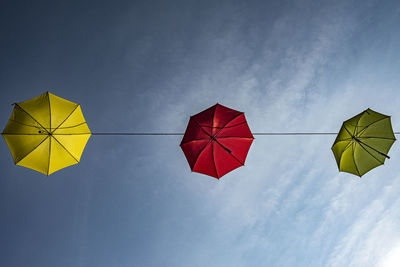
(46, 133)
(216, 141)
(363, 142)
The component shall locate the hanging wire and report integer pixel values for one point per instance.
(142, 134)
(294, 133)
(180, 134)
(264, 133)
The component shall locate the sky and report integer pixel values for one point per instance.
(147, 66)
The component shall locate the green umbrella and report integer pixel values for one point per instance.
(363, 142)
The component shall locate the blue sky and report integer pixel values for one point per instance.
(149, 65)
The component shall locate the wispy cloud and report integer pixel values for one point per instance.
(288, 201)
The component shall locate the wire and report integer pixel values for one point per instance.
(295, 133)
(265, 133)
(177, 134)
(143, 134)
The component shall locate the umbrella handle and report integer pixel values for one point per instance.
(227, 150)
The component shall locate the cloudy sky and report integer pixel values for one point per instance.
(291, 66)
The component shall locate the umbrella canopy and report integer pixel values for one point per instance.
(363, 142)
(46, 133)
(216, 141)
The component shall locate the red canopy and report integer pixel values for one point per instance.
(216, 141)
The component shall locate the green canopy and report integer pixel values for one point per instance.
(363, 142)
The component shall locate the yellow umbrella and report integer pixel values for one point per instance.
(46, 133)
(363, 142)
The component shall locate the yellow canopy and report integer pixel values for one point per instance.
(363, 142)
(46, 133)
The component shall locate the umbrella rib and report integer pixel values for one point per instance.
(355, 128)
(212, 120)
(198, 155)
(227, 150)
(371, 154)
(385, 117)
(215, 166)
(201, 128)
(383, 154)
(212, 144)
(48, 163)
(73, 126)
(341, 154)
(238, 137)
(383, 138)
(232, 127)
(347, 130)
(218, 127)
(193, 140)
(240, 113)
(237, 159)
(28, 125)
(16, 104)
(366, 127)
(32, 150)
(66, 149)
(48, 98)
(354, 159)
(224, 127)
(77, 105)
(343, 140)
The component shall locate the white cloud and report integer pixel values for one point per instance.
(289, 205)
(392, 258)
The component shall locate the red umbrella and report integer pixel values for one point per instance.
(216, 141)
